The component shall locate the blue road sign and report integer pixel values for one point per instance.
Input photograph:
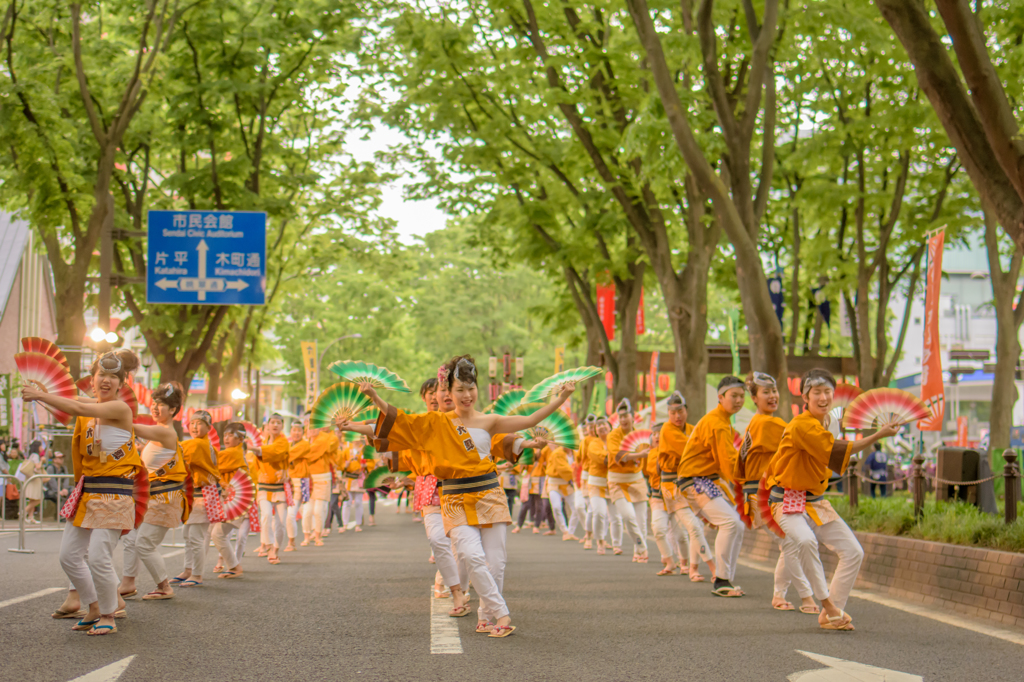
(207, 257)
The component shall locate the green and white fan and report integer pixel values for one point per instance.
(382, 477)
(365, 372)
(369, 414)
(542, 391)
(505, 402)
(558, 429)
(342, 400)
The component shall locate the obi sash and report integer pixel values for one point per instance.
(793, 501)
(108, 485)
(472, 484)
(615, 477)
(158, 487)
(656, 494)
(667, 478)
(598, 481)
(750, 487)
(272, 487)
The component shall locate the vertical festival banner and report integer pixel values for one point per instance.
(559, 359)
(312, 372)
(932, 389)
(652, 380)
(606, 308)
(961, 431)
(641, 321)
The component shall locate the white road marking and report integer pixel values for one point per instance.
(933, 614)
(40, 593)
(107, 673)
(444, 630)
(839, 670)
(174, 553)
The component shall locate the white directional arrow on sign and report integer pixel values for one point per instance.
(839, 670)
(202, 284)
(202, 249)
(238, 286)
(108, 673)
(166, 284)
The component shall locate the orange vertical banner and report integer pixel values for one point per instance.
(961, 431)
(932, 389)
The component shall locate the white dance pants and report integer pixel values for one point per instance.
(272, 522)
(241, 537)
(197, 542)
(661, 526)
(687, 525)
(632, 518)
(556, 499)
(483, 550)
(142, 546)
(444, 558)
(581, 518)
(801, 548)
(730, 535)
(229, 557)
(87, 557)
(615, 524)
(291, 516)
(599, 507)
(352, 508)
(307, 517)
(318, 516)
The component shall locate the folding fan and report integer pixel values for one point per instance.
(85, 385)
(214, 438)
(253, 434)
(365, 372)
(382, 477)
(524, 409)
(506, 401)
(635, 441)
(49, 373)
(558, 429)
(844, 395)
(884, 405)
(553, 384)
(127, 395)
(737, 440)
(238, 494)
(35, 344)
(370, 414)
(144, 420)
(343, 400)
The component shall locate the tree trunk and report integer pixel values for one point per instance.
(794, 286)
(627, 304)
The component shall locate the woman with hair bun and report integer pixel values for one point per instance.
(473, 507)
(169, 505)
(103, 505)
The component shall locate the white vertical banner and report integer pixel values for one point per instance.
(845, 329)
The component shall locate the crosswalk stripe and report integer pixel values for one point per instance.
(444, 630)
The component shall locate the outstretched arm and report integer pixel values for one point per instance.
(113, 410)
(164, 435)
(355, 427)
(527, 421)
(886, 431)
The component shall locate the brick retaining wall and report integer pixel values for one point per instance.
(970, 580)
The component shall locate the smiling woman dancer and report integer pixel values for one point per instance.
(626, 487)
(273, 474)
(298, 476)
(760, 443)
(797, 476)
(106, 464)
(597, 484)
(473, 507)
(201, 458)
(230, 460)
(169, 506)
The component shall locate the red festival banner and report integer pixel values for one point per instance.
(961, 431)
(932, 389)
(606, 308)
(641, 323)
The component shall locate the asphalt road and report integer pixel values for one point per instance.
(359, 609)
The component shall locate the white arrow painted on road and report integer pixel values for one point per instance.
(202, 249)
(107, 673)
(839, 670)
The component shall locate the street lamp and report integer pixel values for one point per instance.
(320, 361)
(239, 395)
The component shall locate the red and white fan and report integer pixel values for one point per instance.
(127, 395)
(737, 440)
(214, 438)
(144, 420)
(49, 373)
(85, 385)
(636, 441)
(882, 406)
(35, 344)
(253, 434)
(844, 395)
(239, 494)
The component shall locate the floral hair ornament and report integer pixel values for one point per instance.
(442, 378)
(624, 406)
(728, 383)
(465, 372)
(764, 380)
(676, 401)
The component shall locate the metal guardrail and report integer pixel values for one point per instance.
(20, 549)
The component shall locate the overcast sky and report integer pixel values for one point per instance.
(413, 217)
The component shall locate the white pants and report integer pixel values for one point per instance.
(730, 535)
(229, 557)
(241, 537)
(614, 524)
(352, 508)
(272, 522)
(633, 517)
(800, 547)
(483, 550)
(558, 512)
(444, 559)
(599, 505)
(318, 516)
(197, 541)
(143, 546)
(687, 525)
(663, 535)
(87, 557)
(581, 520)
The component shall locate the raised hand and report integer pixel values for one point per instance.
(368, 389)
(566, 391)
